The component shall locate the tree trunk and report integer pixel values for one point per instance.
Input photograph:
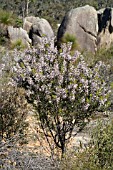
(26, 7)
(63, 148)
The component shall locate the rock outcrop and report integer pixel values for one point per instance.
(16, 34)
(92, 29)
(105, 32)
(37, 28)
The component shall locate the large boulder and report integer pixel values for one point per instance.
(92, 29)
(37, 28)
(27, 25)
(105, 32)
(82, 23)
(16, 34)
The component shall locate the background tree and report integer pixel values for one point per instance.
(27, 2)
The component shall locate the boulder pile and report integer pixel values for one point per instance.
(92, 29)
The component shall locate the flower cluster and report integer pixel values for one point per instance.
(6, 62)
(61, 79)
(64, 90)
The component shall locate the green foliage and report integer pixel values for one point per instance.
(13, 110)
(6, 17)
(9, 18)
(105, 55)
(79, 161)
(103, 145)
(99, 154)
(64, 91)
(3, 40)
(18, 44)
(3, 35)
(102, 54)
(70, 38)
(18, 22)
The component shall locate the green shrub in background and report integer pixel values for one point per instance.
(18, 22)
(13, 111)
(18, 44)
(99, 154)
(6, 17)
(70, 38)
(103, 145)
(9, 18)
(105, 55)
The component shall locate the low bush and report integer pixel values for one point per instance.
(13, 105)
(99, 154)
(18, 44)
(13, 111)
(6, 17)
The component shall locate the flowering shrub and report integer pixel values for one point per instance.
(13, 105)
(62, 88)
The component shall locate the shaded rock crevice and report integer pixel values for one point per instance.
(105, 25)
(86, 31)
(104, 20)
(37, 28)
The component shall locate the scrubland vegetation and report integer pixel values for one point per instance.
(65, 90)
